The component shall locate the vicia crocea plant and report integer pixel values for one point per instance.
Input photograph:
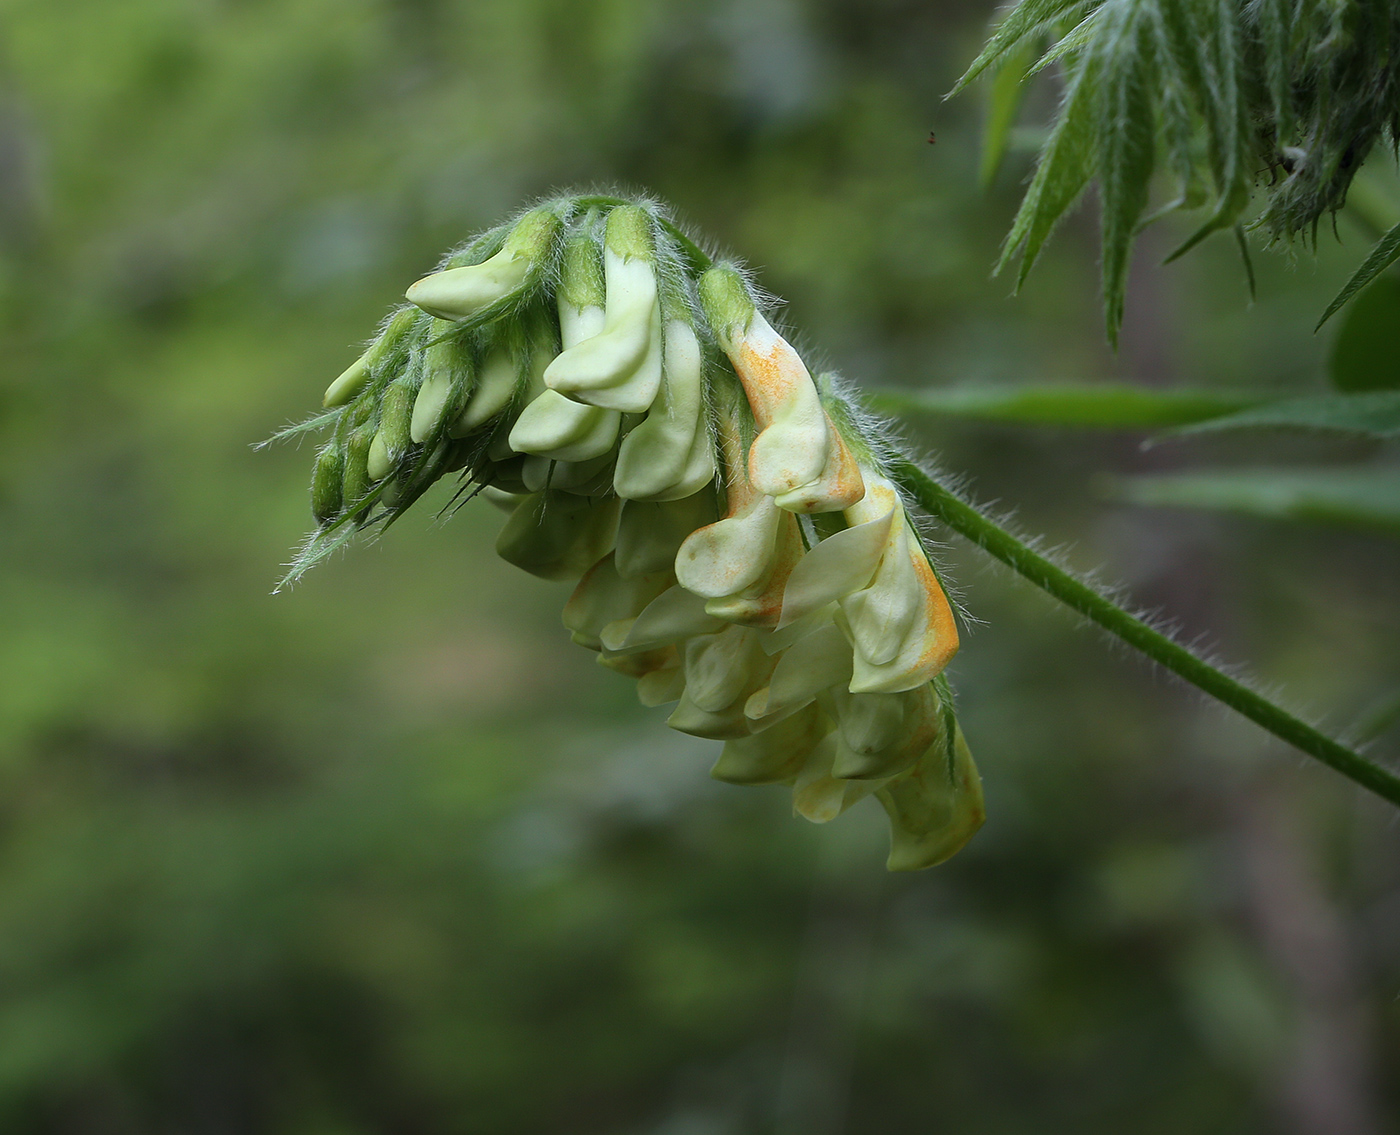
(731, 525)
(736, 531)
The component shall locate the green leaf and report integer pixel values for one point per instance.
(1382, 255)
(1099, 406)
(1127, 151)
(1365, 498)
(1027, 20)
(1369, 415)
(1070, 43)
(1061, 173)
(1008, 92)
(1204, 42)
(1363, 354)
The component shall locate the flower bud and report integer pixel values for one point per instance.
(728, 724)
(883, 734)
(719, 667)
(356, 483)
(733, 554)
(560, 429)
(776, 755)
(935, 807)
(582, 288)
(810, 666)
(494, 391)
(446, 368)
(620, 367)
(507, 502)
(741, 564)
(798, 456)
(669, 455)
(590, 478)
(819, 796)
(641, 663)
(842, 563)
(460, 293)
(673, 616)
(649, 535)
(603, 596)
(553, 425)
(558, 536)
(661, 686)
(358, 374)
(326, 477)
(900, 624)
(393, 438)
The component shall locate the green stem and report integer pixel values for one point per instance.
(996, 541)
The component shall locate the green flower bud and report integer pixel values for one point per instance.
(669, 455)
(641, 663)
(460, 293)
(620, 367)
(809, 667)
(603, 597)
(842, 563)
(883, 734)
(729, 724)
(357, 482)
(581, 271)
(582, 478)
(558, 536)
(720, 667)
(649, 535)
(820, 797)
(563, 430)
(326, 478)
(661, 686)
(934, 808)
(494, 392)
(726, 302)
(393, 438)
(446, 371)
(673, 616)
(357, 375)
(776, 755)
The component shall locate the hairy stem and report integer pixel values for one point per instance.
(1001, 544)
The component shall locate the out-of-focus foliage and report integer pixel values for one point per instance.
(1363, 355)
(1097, 406)
(1216, 92)
(385, 854)
(1339, 496)
(1364, 415)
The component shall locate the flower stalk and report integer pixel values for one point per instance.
(963, 518)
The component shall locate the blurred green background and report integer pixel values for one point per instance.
(387, 854)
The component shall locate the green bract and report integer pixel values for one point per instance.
(735, 540)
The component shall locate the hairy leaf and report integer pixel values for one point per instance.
(1385, 252)
(1027, 20)
(1219, 92)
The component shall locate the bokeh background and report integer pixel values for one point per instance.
(387, 854)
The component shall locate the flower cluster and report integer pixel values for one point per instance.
(736, 544)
